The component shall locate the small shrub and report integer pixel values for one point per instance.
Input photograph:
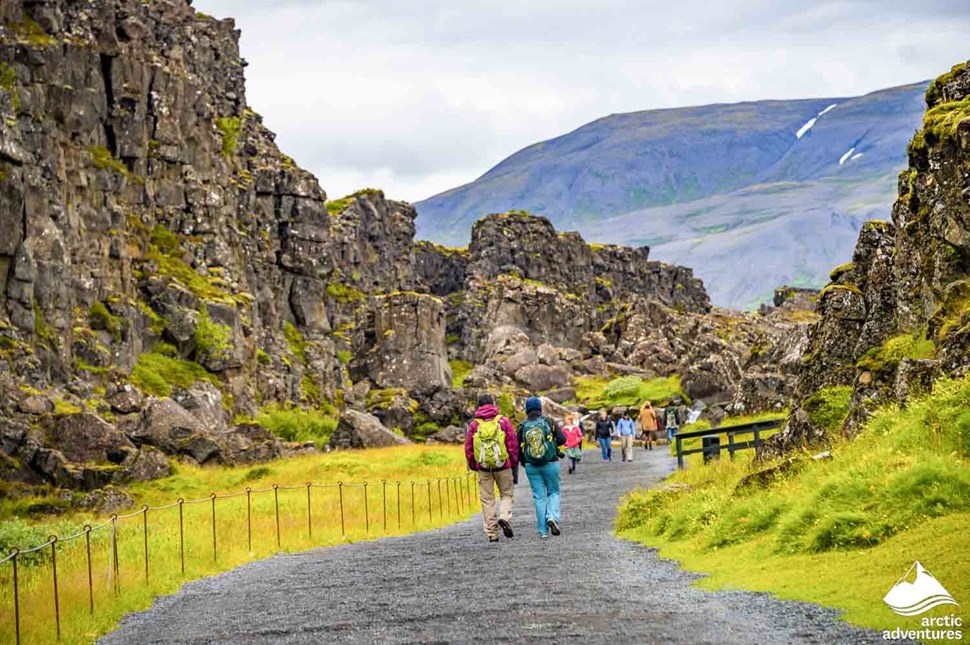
(157, 374)
(829, 407)
(459, 370)
(104, 160)
(100, 318)
(298, 425)
(211, 338)
(294, 337)
(344, 356)
(64, 408)
(229, 127)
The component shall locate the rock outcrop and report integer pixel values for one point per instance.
(897, 315)
(167, 273)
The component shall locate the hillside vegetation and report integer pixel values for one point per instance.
(899, 492)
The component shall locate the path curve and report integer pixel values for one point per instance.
(451, 586)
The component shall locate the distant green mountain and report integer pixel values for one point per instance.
(751, 195)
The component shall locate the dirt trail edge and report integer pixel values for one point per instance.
(451, 586)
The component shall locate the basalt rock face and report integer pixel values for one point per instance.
(151, 234)
(897, 316)
(166, 273)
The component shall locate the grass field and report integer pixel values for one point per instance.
(441, 494)
(837, 531)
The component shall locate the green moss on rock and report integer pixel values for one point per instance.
(229, 128)
(829, 407)
(887, 356)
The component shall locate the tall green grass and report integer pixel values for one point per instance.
(907, 470)
(597, 391)
(426, 467)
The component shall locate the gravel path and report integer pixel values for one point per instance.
(451, 586)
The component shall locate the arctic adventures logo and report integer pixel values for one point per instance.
(917, 597)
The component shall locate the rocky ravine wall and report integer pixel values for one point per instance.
(166, 272)
(898, 315)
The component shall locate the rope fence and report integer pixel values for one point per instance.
(131, 549)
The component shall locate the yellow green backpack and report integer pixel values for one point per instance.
(489, 444)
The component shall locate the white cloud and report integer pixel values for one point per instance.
(418, 97)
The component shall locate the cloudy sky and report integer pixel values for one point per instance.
(419, 96)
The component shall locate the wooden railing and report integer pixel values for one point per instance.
(755, 428)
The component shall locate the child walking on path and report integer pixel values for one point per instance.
(574, 441)
(539, 441)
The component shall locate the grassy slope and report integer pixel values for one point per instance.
(413, 463)
(839, 532)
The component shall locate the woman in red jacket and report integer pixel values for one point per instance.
(574, 441)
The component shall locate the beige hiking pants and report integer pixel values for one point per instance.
(486, 488)
(626, 444)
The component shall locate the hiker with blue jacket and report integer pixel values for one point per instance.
(539, 440)
(492, 450)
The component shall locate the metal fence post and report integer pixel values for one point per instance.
(309, 516)
(340, 490)
(384, 501)
(412, 503)
(429, 501)
(249, 517)
(440, 511)
(116, 564)
(366, 511)
(276, 501)
(87, 544)
(398, 506)
(448, 494)
(144, 523)
(181, 503)
(16, 595)
(213, 497)
(57, 606)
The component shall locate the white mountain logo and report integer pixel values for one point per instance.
(913, 598)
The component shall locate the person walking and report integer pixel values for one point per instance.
(574, 440)
(649, 422)
(627, 431)
(604, 434)
(492, 450)
(539, 440)
(670, 415)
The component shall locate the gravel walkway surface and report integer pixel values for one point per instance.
(451, 586)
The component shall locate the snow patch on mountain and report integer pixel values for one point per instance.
(811, 122)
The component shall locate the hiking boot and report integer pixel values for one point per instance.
(506, 528)
(553, 526)
(493, 538)
(543, 536)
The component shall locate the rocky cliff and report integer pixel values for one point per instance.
(898, 315)
(169, 279)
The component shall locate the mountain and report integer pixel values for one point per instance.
(751, 195)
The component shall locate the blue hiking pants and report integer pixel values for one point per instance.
(606, 446)
(544, 481)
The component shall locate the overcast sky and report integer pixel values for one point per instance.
(418, 96)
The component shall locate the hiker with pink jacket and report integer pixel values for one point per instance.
(492, 450)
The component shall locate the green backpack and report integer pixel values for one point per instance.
(489, 444)
(538, 444)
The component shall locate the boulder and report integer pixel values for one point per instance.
(539, 378)
(86, 438)
(523, 358)
(147, 464)
(36, 404)
(126, 400)
(361, 430)
(449, 434)
(104, 501)
(562, 394)
(203, 400)
(166, 425)
(553, 409)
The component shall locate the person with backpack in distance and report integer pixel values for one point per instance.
(539, 440)
(604, 435)
(627, 431)
(649, 422)
(574, 440)
(492, 450)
